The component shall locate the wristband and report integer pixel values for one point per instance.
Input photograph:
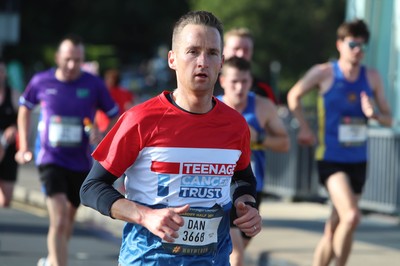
(251, 203)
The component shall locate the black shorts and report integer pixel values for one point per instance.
(56, 179)
(8, 166)
(234, 215)
(357, 173)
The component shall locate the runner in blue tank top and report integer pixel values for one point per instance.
(349, 95)
(267, 132)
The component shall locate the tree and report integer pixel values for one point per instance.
(297, 34)
(125, 31)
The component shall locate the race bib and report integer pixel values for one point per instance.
(199, 234)
(352, 131)
(65, 131)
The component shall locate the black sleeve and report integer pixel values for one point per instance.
(243, 182)
(97, 190)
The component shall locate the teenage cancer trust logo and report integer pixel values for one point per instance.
(205, 180)
(199, 180)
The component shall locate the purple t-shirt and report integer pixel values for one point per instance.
(64, 106)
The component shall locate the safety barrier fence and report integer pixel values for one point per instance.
(294, 176)
(382, 189)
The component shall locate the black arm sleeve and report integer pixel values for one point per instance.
(243, 182)
(97, 190)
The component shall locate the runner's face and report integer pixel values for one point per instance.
(352, 49)
(69, 59)
(238, 46)
(197, 57)
(236, 85)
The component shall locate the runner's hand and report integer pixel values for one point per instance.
(249, 219)
(165, 222)
(23, 157)
(367, 105)
(306, 137)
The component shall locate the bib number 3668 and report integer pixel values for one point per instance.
(199, 235)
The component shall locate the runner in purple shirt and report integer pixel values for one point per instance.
(64, 106)
(68, 97)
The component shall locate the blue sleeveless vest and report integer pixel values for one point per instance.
(258, 158)
(342, 126)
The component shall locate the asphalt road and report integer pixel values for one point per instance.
(23, 231)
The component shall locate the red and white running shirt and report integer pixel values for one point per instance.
(173, 157)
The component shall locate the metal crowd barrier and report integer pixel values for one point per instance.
(382, 189)
(291, 175)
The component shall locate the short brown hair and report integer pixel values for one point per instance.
(355, 28)
(238, 63)
(198, 18)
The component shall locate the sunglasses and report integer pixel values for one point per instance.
(361, 45)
